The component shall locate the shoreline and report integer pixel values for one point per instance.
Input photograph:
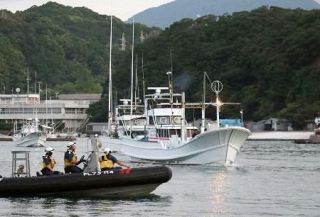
(10, 138)
(281, 136)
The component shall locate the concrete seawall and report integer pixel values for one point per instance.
(281, 135)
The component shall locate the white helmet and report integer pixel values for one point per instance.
(107, 150)
(71, 143)
(48, 149)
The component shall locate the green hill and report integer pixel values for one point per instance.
(268, 59)
(67, 48)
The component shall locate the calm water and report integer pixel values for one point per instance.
(270, 179)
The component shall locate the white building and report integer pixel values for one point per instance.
(68, 108)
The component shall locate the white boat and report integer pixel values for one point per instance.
(170, 139)
(127, 124)
(30, 135)
(215, 146)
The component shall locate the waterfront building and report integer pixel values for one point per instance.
(69, 109)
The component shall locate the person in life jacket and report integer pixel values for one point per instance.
(48, 163)
(71, 160)
(107, 161)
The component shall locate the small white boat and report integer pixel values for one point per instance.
(30, 135)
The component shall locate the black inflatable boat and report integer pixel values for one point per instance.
(129, 182)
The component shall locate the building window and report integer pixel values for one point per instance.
(70, 111)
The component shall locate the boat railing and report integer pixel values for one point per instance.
(20, 164)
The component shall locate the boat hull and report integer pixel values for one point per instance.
(36, 139)
(216, 146)
(111, 183)
(113, 143)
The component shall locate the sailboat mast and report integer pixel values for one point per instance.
(110, 80)
(132, 51)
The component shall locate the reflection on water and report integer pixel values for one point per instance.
(218, 185)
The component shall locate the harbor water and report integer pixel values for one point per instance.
(270, 178)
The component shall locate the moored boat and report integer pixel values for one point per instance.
(170, 139)
(216, 146)
(30, 135)
(315, 137)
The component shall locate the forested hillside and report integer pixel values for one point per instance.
(63, 47)
(267, 59)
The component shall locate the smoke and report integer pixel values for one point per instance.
(182, 82)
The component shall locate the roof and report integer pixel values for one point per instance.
(81, 96)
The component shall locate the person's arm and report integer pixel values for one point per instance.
(53, 162)
(120, 163)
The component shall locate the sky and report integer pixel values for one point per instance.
(122, 9)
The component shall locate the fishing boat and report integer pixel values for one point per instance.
(29, 135)
(125, 125)
(130, 125)
(167, 137)
(92, 182)
(170, 139)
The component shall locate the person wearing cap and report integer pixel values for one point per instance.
(71, 160)
(107, 160)
(48, 163)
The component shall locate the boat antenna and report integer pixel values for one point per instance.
(170, 87)
(171, 60)
(171, 79)
(143, 81)
(35, 82)
(136, 92)
(216, 87)
(110, 80)
(28, 80)
(46, 104)
(203, 111)
(131, 97)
